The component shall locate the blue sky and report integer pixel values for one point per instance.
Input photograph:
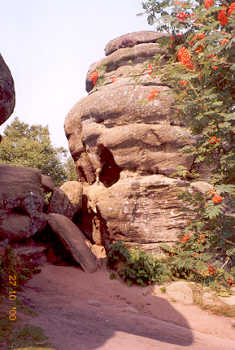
(49, 45)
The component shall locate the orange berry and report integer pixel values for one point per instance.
(224, 41)
(213, 56)
(153, 94)
(212, 191)
(182, 16)
(217, 199)
(199, 48)
(213, 140)
(211, 269)
(183, 82)
(185, 238)
(231, 9)
(208, 3)
(94, 77)
(223, 19)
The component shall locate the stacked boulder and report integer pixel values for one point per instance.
(24, 215)
(126, 146)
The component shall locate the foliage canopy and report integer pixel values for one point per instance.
(30, 146)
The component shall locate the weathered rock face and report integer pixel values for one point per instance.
(21, 203)
(7, 92)
(73, 240)
(125, 150)
(140, 209)
(67, 199)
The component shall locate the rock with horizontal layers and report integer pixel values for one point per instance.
(73, 240)
(31, 254)
(132, 39)
(7, 92)
(126, 145)
(143, 211)
(21, 203)
(67, 199)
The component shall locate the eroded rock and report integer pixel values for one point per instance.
(126, 146)
(21, 203)
(142, 210)
(180, 291)
(7, 92)
(67, 199)
(73, 240)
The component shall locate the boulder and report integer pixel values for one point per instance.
(67, 199)
(21, 203)
(126, 146)
(180, 291)
(31, 254)
(47, 183)
(7, 92)
(73, 240)
(129, 62)
(139, 210)
(132, 39)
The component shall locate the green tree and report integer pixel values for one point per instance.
(70, 170)
(200, 70)
(30, 146)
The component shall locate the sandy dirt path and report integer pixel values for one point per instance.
(81, 311)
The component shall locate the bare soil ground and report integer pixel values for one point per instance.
(81, 311)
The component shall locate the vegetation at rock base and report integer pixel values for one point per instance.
(30, 146)
(10, 264)
(15, 332)
(134, 266)
(138, 267)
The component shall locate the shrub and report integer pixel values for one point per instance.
(136, 267)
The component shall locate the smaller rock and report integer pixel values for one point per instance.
(67, 199)
(180, 292)
(228, 300)
(157, 290)
(94, 303)
(101, 256)
(73, 240)
(201, 186)
(99, 251)
(32, 254)
(129, 309)
(47, 183)
(208, 299)
(131, 39)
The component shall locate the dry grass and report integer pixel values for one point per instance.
(216, 306)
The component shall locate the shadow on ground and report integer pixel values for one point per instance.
(83, 311)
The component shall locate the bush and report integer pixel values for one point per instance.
(136, 267)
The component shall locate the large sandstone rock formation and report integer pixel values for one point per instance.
(7, 92)
(125, 150)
